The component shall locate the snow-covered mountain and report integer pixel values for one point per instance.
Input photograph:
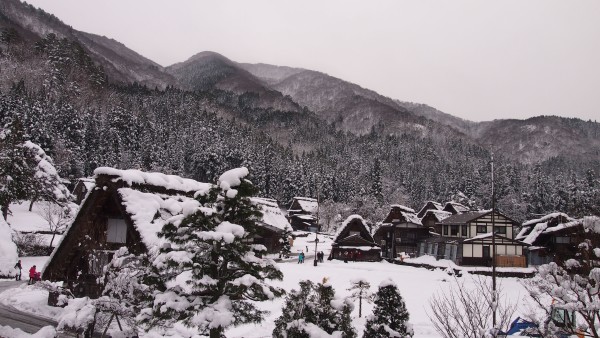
(120, 63)
(210, 70)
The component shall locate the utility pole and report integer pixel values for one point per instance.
(494, 300)
(318, 227)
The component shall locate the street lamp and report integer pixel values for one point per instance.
(393, 253)
(316, 242)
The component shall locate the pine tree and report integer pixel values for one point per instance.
(314, 305)
(222, 271)
(16, 168)
(286, 247)
(390, 316)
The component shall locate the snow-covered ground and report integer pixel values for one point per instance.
(23, 220)
(417, 285)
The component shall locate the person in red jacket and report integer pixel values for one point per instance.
(33, 275)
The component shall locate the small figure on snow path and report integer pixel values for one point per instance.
(34, 276)
(20, 267)
(301, 257)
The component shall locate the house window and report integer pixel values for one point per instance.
(464, 231)
(562, 240)
(98, 260)
(383, 243)
(481, 229)
(445, 230)
(116, 231)
(501, 230)
(454, 230)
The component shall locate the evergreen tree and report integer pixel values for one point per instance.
(286, 247)
(314, 305)
(221, 270)
(16, 168)
(390, 316)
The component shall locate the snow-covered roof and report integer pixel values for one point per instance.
(532, 229)
(460, 208)
(170, 182)
(150, 211)
(436, 205)
(307, 204)
(440, 215)
(347, 222)
(488, 235)
(272, 214)
(547, 218)
(403, 208)
(411, 217)
(464, 217)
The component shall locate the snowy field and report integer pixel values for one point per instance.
(417, 285)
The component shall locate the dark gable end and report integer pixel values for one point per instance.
(88, 233)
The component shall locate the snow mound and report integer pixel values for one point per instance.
(232, 178)
(8, 250)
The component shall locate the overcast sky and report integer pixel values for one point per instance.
(479, 60)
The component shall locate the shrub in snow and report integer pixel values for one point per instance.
(312, 307)
(30, 244)
(465, 311)
(214, 275)
(390, 316)
(573, 285)
(129, 287)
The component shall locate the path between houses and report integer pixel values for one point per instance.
(9, 316)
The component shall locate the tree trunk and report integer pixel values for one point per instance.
(360, 307)
(216, 333)
(51, 240)
(31, 204)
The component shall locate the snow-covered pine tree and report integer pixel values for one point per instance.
(390, 316)
(16, 171)
(360, 290)
(286, 247)
(212, 272)
(314, 305)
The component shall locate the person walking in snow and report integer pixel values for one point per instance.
(20, 267)
(32, 275)
(301, 257)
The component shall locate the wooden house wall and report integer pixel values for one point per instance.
(486, 220)
(407, 239)
(365, 256)
(472, 252)
(88, 234)
(429, 221)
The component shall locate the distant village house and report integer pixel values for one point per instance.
(353, 241)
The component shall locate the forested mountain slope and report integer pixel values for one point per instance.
(58, 92)
(119, 62)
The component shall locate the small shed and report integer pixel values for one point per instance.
(353, 240)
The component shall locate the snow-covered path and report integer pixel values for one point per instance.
(9, 316)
